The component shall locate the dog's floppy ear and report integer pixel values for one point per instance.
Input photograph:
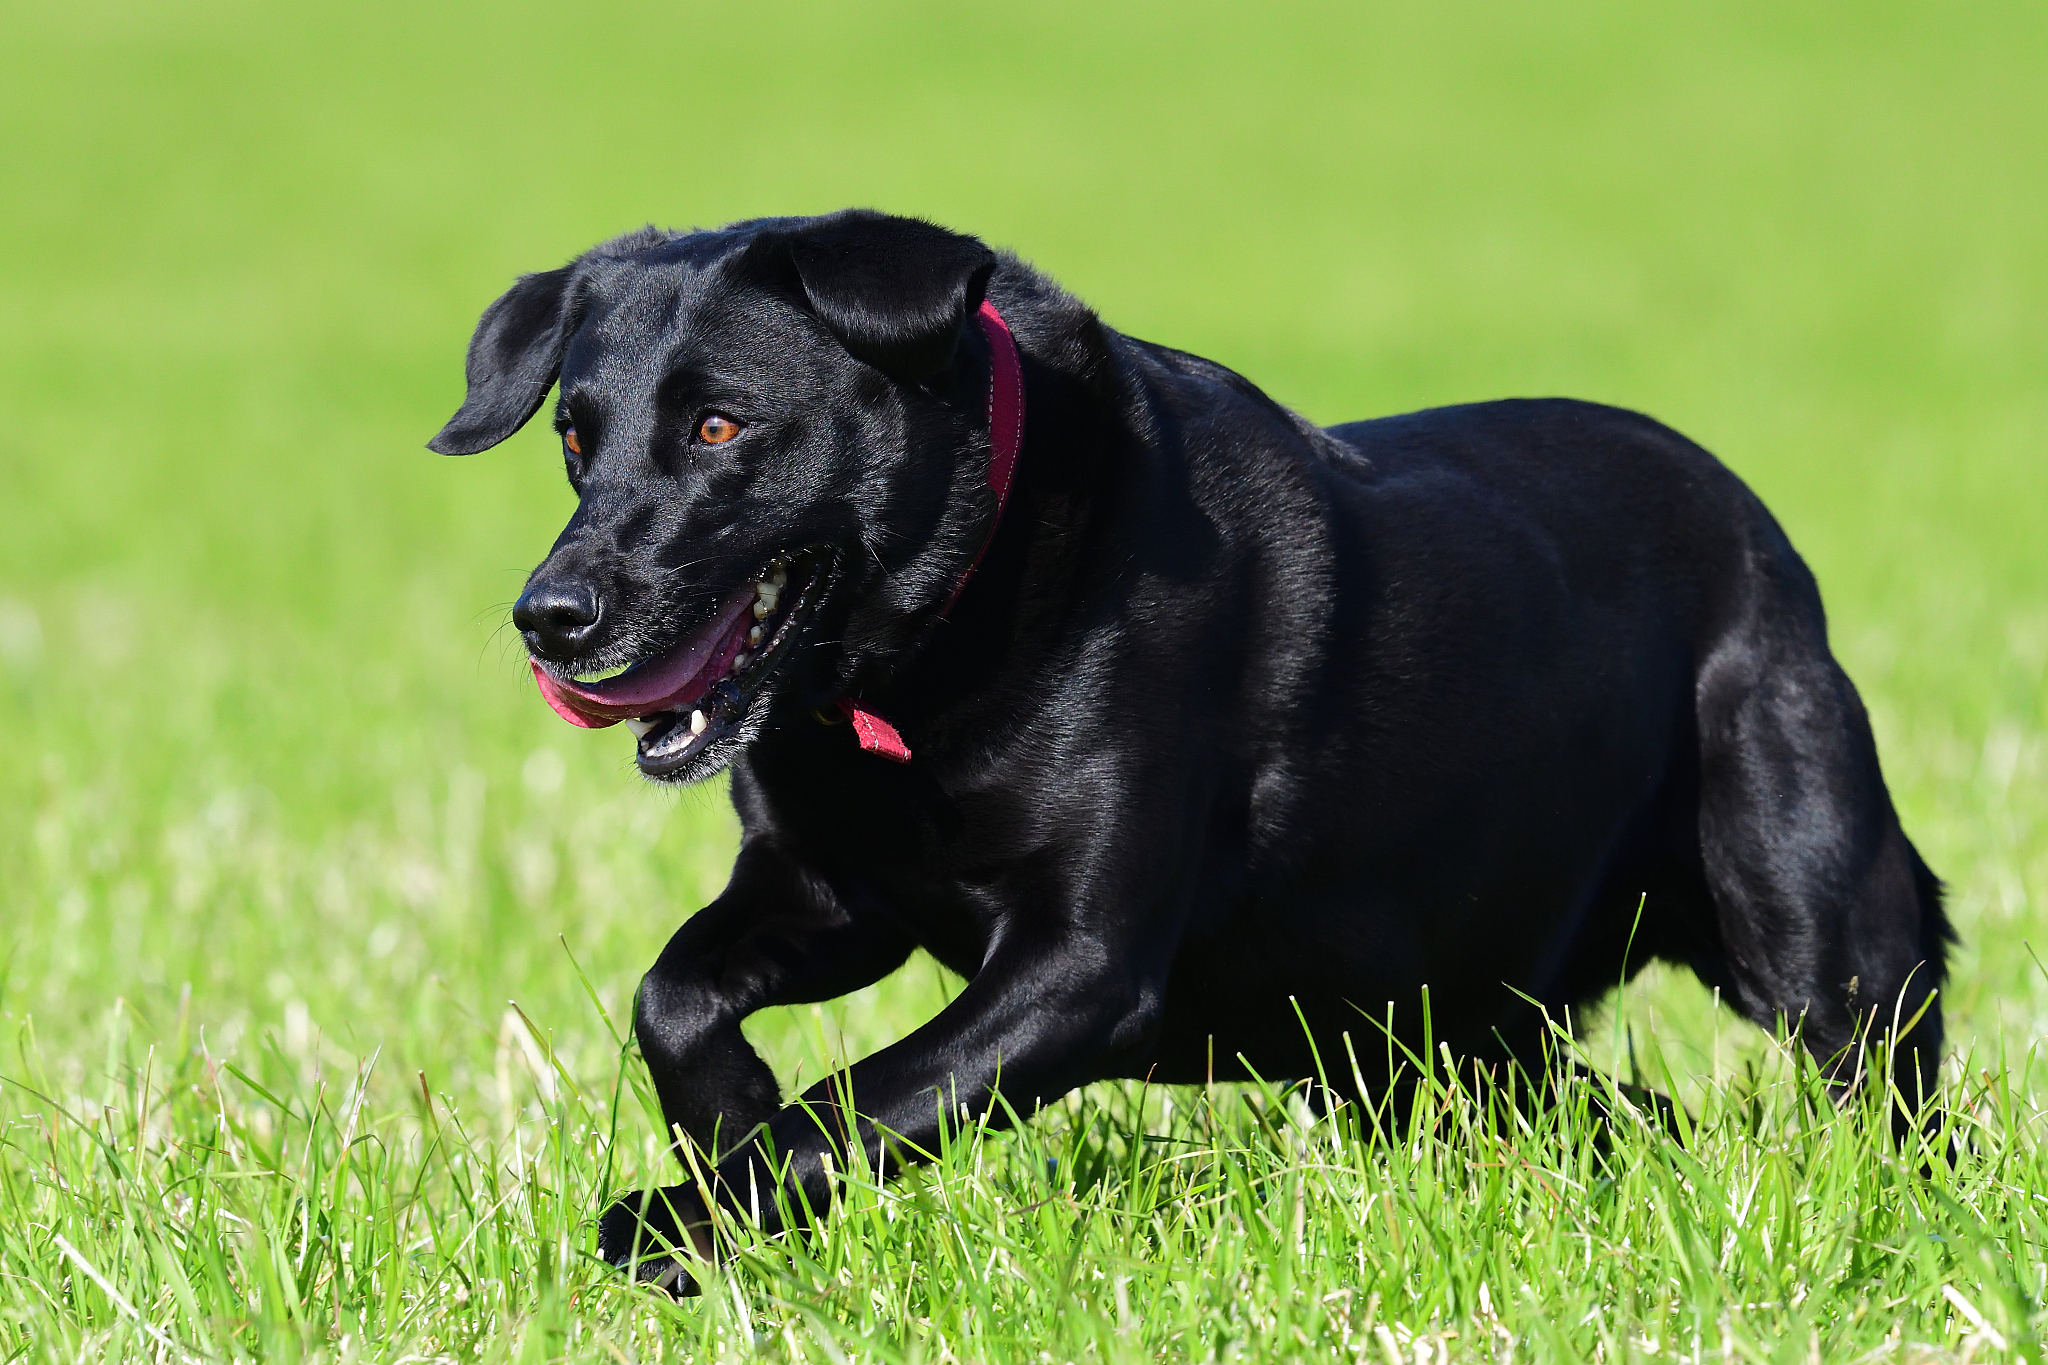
(896, 291)
(513, 359)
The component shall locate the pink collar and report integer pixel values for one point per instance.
(1005, 440)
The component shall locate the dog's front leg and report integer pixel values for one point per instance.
(777, 935)
(1043, 1016)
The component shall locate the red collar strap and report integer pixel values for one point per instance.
(1005, 440)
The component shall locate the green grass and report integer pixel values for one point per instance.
(283, 829)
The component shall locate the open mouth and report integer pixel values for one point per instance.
(696, 692)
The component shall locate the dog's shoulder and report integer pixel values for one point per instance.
(1221, 415)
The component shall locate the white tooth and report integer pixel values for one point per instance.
(762, 608)
(741, 660)
(699, 723)
(641, 726)
(754, 635)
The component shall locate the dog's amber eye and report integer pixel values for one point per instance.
(569, 440)
(717, 429)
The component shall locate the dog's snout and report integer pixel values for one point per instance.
(558, 616)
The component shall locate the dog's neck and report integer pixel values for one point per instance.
(1005, 444)
(1083, 472)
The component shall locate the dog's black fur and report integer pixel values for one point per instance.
(1238, 717)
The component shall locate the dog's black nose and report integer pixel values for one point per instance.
(557, 617)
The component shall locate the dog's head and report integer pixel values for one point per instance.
(777, 435)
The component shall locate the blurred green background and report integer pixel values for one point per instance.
(262, 731)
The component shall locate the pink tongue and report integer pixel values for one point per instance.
(667, 683)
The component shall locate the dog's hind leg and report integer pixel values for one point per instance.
(1827, 918)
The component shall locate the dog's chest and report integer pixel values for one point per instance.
(953, 872)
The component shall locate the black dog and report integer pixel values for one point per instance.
(1218, 717)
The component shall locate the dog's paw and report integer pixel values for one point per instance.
(650, 1245)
